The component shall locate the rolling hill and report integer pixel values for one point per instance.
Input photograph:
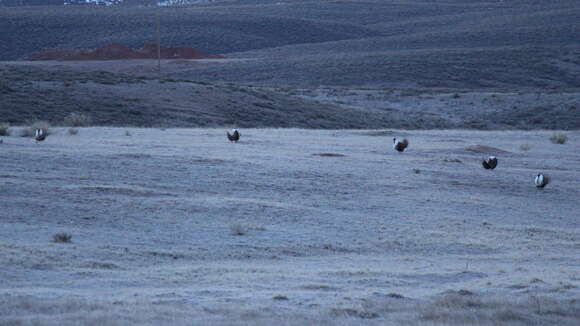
(447, 47)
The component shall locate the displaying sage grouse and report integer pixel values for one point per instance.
(541, 180)
(400, 145)
(40, 135)
(490, 163)
(234, 136)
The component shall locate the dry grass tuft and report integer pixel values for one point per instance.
(457, 309)
(485, 149)
(381, 133)
(75, 119)
(353, 313)
(237, 229)
(452, 160)
(395, 295)
(559, 138)
(62, 237)
(329, 154)
(525, 147)
(441, 311)
(4, 129)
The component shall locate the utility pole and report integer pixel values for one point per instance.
(158, 37)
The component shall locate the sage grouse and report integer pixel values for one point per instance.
(234, 136)
(400, 145)
(541, 180)
(490, 163)
(39, 135)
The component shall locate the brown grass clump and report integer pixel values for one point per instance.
(452, 160)
(62, 237)
(525, 147)
(75, 119)
(237, 229)
(458, 309)
(559, 138)
(4, 129)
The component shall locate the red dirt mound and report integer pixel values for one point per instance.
(121, 52)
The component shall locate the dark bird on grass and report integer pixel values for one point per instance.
(40, 135)
(400, 145)
(541, 180)
(490, 163)
(234, 136)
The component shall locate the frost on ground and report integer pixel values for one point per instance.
(289, 227)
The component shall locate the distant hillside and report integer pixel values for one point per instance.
(50, 92)
(210, 29)
(116, 99)
(462, 44)
(13, 3)
(16, 3)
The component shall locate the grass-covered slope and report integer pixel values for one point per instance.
(427, 43)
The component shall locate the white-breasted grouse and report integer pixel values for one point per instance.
(234, 136)
(400, 145)
(490, 163)
(39, 134)
(541, 180)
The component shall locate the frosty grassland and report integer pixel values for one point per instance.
(289, 227)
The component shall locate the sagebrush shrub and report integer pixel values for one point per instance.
(559, 138)
(76, 119)
(4, 129)
(525, 147)
(62, 237)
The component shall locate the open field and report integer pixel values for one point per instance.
(151, 217)
(289, 227)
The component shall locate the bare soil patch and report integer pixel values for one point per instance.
(121, 52)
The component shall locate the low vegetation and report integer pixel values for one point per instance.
(525, 147)
(62, 237)
(237, 229)
(4, 129)
(559, 138)
(76, 119)
(457, 309)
